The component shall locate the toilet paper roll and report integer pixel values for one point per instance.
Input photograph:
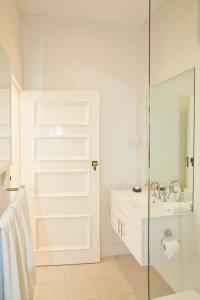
(170, 248)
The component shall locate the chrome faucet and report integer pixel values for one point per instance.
(155, 186)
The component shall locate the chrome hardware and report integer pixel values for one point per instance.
(164, 196)
(173, 184)
(122, 231)
(167, 235)
(155, 186)
(119, 226)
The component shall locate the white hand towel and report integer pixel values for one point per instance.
(177, 207)
(170, 248)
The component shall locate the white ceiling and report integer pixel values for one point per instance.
(117, 11)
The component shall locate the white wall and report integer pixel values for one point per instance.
(10, 35)
(60, 53)
(175, 47)
(11, 42)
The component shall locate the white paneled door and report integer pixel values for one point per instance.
(60, 151)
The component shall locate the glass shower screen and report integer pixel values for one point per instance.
(174, 205)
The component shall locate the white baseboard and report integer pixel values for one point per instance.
(170, 279)
(187, 295)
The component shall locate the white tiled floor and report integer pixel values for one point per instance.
(115, 278)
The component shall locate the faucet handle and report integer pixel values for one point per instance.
(174, 183)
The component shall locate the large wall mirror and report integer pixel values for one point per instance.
(5, 112)
(172, 136)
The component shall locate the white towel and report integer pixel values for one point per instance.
(177, 207)
(21, 208)
(17, 250)
(1, 270)
(15, 279)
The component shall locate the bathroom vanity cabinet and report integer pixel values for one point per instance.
(131, 235)
(131, 229)
(129, 219)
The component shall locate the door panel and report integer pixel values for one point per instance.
(68, 148)
(60, 140)
(61, 112)
(61, 183)
(63, 238)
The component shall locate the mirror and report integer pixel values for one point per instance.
(172, 136)
(5, 112)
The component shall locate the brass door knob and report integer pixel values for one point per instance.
(95, 164)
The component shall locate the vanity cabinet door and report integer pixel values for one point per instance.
(128, 232)
(133, 238)
(117, 220)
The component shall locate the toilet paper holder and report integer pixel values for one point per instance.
(167, 235)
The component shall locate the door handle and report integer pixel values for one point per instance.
(95, 164)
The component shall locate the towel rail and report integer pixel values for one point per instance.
(10, 189)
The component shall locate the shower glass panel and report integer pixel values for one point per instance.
(174, 218)
(171, 177)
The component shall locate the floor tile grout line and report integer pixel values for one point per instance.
(95, 280)
(66, 277)
(90, 271)
(66, 288)
(104, 296)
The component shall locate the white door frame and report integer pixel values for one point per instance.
(15, 169)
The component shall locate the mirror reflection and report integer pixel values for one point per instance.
(5, 111)
(172, 139)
